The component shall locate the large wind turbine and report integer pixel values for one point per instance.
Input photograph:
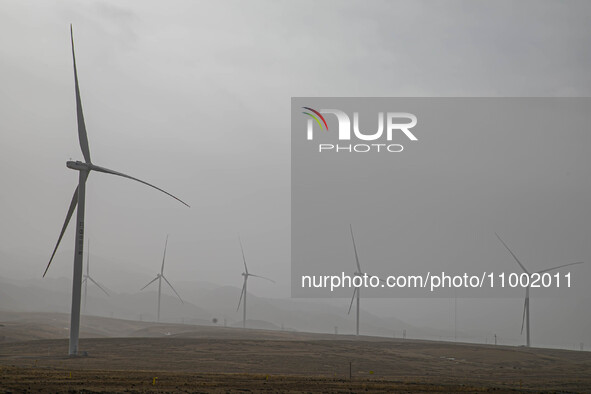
(525, 319)
(246, 274)
(87, 277)
(78, 199)
(159, 278)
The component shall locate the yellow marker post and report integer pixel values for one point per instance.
(154, 381)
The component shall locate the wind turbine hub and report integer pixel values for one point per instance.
(78, 165)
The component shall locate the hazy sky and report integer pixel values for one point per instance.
(194, 96)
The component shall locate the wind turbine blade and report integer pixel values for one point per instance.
(149, 283)
(71, 209)
(560, 266)
(355, 249)
(243, 258)
(177, 294)
(99, 286)
(262, 277)
(241, 294)
(523, 320)
(352, 299)
(81, 126)
(164, 256)
(107, 171)
(512, 254)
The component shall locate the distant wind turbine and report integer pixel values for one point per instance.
(78, 199)
(246, 274)
(356, 291)
(525, 320)
(159, 278)
(356, 295)
(87, 277)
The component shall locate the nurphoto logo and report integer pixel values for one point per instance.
(397, 124)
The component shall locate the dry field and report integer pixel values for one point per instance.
(215, 359)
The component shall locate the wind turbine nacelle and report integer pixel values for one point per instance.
(78, 165)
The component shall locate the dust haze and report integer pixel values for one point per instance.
(194, 97)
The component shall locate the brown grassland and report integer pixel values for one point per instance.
(216, 359)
